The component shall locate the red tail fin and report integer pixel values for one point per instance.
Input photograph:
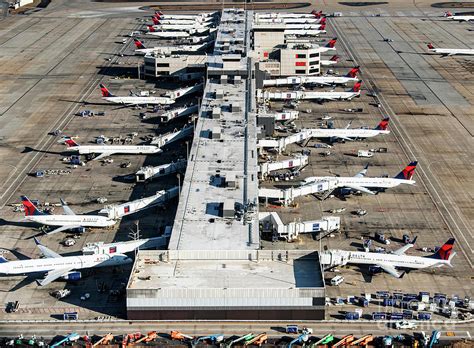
(356, 87)
(105, 91)
(334, 58)
(30, 208)
(138, 44)
(151, 28)
(70, 142)
(332, 43)
(155, 20)
(407, 172)
(445, 251)
(353, 72)
(322, 20)
(430, 46)
(383, 125)
(322, 27)
(448, 14)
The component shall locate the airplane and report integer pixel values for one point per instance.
(391, 262)
(107, 150)
(330, 46)
(67, 221)
(459, 17)
(332, 61)
(133, 99)
(179, 27)
(451, 51)
(314, 20)
(290, 15)
(306, 32)
(207, 16)
(326, 80)
(304, 95)
(56, 266)
(372, 186)
(169, 34)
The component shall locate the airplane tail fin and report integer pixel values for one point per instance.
(322, 27)
(383, 125)
(151, 28)
(430, 46)
(353, 72)
(334, 58)
(156, 20)
(356, 87)
(317, 14)
(3, 260)
(445, 252)
(138, 44)
(322, 20)
(105, 91)
(448, 14)
(30, 208)
(407, 172)
(70, 142)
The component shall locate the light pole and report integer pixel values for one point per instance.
(187, 150)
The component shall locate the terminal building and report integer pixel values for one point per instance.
(214, 267)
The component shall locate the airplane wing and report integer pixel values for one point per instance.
(46, 251)
(345, 138)
(362, 173)
(66, 208)
(391, 270)
(53, 275)
(348, 125)
(102, 155)
(360, 188)
(403, 249)
(64, 228)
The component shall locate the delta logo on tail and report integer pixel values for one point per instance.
(105, 91)
(408, 171)
(334, 58)
(30, 208)
(445, 251)
(357, 85)
(70, 142)
(322, 20)
(322, 27)
(331, 43)
(353, 72)
(430, 46)
(139, 44)
(317, 14)
(383, 125)
(151, 28)
(155, 20)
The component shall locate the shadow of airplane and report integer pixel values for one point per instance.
(30, 149)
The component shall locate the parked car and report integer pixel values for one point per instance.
(405, 324)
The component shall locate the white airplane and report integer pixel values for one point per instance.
(170, 49)
(390, 263)
(310, 95)
(306, 26)
(178, 27)
(169, 34)
(451, 51)
(372, 186)
(326, 80)
(352, 133)
(108, 150)
(67, 221)
(303, 32)
(56, 266)
(332, 61)
(290, 15)
(308, 20)
(459, 17)
(133, 99)
(206, 16)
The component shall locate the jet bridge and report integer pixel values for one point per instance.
(271, 222)
(116, 212)
(178, 93)
(178, 112)
(281, 143)
(165, 139)
(149, 172)
(289, 195)
(298, 161)
(283, 116)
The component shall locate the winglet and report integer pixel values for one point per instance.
(37, 242)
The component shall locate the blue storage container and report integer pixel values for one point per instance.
(407, 314)
(379, 316)
(396, 316)
(363, 302)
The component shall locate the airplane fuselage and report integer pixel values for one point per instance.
(67, 262)
(454, 51)
(304, 32)
(400, 261)
(347, 133)
(116, 149)
(364, 182)
(72, 220)
(298, 80)
(462, 18)
(303, 95)
(140, 100)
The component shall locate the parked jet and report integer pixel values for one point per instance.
(391, 262)
(351, 133)
(372, 186)
(67, 221)
(459, 17)
(306, 26)
(108, 150)
(330, 46)
(315, 20)
(56, 266)
(332, 61)
(451, 51)
(326, 80)
(133, 99)
(206, 16)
